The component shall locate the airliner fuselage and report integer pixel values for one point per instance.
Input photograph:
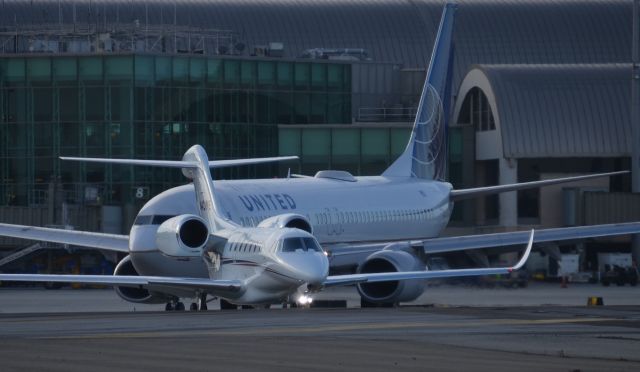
(344, 210)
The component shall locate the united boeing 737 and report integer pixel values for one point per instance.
(259, 242)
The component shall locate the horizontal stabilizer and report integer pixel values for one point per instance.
(462, 194)
(181, 163)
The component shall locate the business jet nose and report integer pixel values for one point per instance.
(316, 271)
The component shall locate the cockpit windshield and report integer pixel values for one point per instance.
(300, 245)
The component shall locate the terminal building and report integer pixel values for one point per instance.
(540, 89)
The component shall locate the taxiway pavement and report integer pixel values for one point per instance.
(415, 338)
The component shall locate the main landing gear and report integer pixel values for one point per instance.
(174, 305)
(199, 305)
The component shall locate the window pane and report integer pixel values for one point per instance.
(301, 105)
(316, 143)
(375, 142)
(284, 74)
(399, 139)
(119, 68)
(289, 142)
(90, 68)
(163, 69)
(335, 77)
(231, 73)
(39, 69)
(94, 97)
(346, 142)
(318, 108)
(43, 104)
(266, 73)
(301, 76)
(15, 69)
(68, 104)
(335, 108)
(144, 68)
(180, 69)
(318, 75)
(247, 74)
(214, 71)
(196, 70)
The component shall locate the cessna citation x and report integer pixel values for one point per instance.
(258, 242)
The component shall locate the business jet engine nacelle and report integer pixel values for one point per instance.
(134, 294)
(183, 235)
(290, 220)
(393, 291)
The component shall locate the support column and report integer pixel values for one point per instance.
(508, 200)
(635, 117)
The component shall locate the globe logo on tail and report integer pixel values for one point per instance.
(429, 134)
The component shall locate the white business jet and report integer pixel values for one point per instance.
(258, 242)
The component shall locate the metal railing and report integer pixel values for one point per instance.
(118, 38)
(380, 114)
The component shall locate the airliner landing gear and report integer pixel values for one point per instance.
(174, 305)
(200, 304)
(226, 305)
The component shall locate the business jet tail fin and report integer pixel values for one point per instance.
(196, 165)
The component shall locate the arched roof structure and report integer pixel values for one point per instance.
(557, 110)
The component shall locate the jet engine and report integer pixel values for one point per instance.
(392, 291)
(183, 235)
(290, 220)
(133, 294)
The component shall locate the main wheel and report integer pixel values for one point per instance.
(193, 307)
(168, 307)
(226, 305)
(179, 306)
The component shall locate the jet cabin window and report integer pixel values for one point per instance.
(300, 244)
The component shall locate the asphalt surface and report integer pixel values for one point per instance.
(416, 338)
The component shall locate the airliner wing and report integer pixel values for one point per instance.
(350, 255)
(215, 286)
(461, 243)
(340, 280)
(462, 194)
(111, 242)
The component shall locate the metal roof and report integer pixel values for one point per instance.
(401, 31)
(562, 110)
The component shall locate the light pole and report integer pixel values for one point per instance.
(635, 117)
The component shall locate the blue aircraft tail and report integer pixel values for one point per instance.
(426, 154)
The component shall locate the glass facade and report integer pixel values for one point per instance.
(152, 107)
(363, 151)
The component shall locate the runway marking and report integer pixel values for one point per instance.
(297, 330)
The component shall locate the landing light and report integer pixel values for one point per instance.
(304, 300)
